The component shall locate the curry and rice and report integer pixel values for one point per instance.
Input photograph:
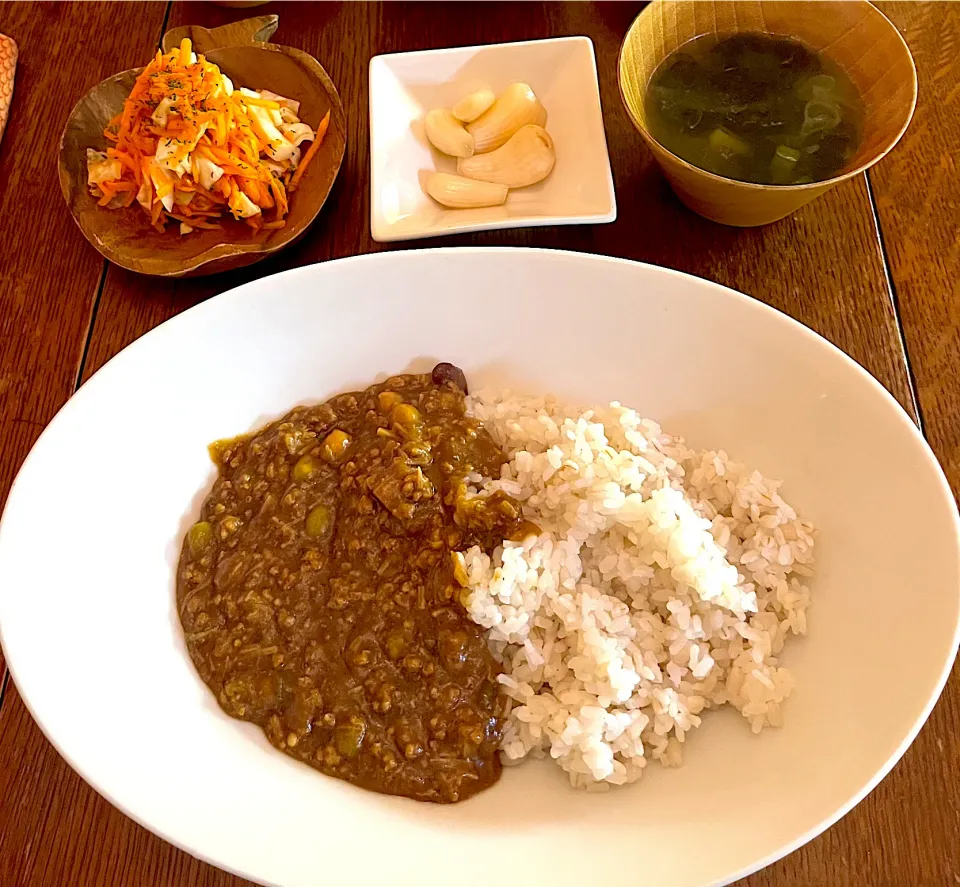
(406, 586)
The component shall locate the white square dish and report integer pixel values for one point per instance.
(405, 86)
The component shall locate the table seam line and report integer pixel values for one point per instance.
(895, 304)
(5, 676)
(106, 264)
(163, 24)
(93, 322)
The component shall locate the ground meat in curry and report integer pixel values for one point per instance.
(317, 592)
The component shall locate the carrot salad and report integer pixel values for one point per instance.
(191, 147)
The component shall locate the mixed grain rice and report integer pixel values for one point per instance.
(665, 582)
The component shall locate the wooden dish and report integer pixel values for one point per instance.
(126, 237)
(853, 33)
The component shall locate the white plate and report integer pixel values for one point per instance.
(404, 86)
(92, 529)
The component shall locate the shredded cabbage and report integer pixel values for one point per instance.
(101, 168)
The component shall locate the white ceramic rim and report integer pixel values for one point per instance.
(721, 291)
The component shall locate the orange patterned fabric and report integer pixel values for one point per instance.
(8, 64)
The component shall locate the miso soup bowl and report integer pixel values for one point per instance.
(853, 33)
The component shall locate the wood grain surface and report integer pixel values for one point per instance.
(823, 266)
(918, 199)
(49, 277)
(917, 189)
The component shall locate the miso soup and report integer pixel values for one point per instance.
(756, 108)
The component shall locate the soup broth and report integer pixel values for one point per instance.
(755, 108)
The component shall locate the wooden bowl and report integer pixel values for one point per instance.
(126, 237)
(853, 33)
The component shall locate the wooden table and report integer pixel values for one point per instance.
(873, 266)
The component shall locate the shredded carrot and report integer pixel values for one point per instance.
(240, 172)
(311, 152)
(126, 160)
(278, 195)
(232, 143)
(194, 222)
(266, 200)
(249, 187)
(261, 103)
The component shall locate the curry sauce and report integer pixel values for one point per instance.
(317, 593)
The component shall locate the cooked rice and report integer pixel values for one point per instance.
(664, 582)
